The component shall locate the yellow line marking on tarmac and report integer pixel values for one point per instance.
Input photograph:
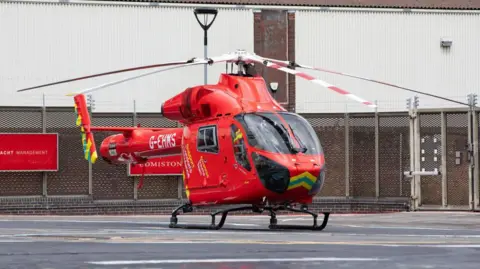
(254, 242)
(172, 240)
(265, 242)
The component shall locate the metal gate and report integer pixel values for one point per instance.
(444, 167)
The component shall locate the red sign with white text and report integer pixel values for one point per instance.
(162, 166)
(27, 152)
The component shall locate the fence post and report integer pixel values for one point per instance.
(444, 158)
(472, 101)
(135, 179)
(476, 187)
(377, 154)
(417, 178)
(347, 155)
(91, 107)
(44, 130)
(414, 130)
(411, 122)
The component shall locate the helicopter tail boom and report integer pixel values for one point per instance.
(137, 145)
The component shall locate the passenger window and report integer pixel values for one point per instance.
(239, 148)
(207, 139)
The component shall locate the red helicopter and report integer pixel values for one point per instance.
(237, 146)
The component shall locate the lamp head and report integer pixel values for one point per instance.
(205, 12)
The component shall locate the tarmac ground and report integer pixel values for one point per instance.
(394, 240)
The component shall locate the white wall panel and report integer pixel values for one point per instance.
(397, 47)
(44, 42)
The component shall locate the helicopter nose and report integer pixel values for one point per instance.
(273, 174)
(309, 175)
(280, 174)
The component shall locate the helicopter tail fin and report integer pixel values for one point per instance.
(83, 121)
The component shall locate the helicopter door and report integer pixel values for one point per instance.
(209, 157)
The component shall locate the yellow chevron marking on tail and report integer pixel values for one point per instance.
(94, 157)
(79, 120)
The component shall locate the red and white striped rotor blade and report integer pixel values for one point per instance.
(315, 80)
(289, 64)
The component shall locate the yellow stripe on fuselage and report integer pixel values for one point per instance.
(187, 191)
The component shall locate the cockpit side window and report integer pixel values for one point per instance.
(207, 139)
(239, 148)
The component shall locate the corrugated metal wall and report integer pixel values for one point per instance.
(41, 43)
(397, 47)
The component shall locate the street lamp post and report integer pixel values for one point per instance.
(205, 12)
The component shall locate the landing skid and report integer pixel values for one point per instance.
(315, 227)
(186, 208)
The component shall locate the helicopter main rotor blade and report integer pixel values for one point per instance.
(108, 84)
(209, 61)
(109, 73)
(271, 64)
(293, 64)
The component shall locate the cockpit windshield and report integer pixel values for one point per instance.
(270, 132)
(303, 132)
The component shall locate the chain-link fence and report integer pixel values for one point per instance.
(444, 147)
(73, 177)
(366, 156)
(373, 165)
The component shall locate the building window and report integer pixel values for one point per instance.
(207, 139)
(239, 148)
